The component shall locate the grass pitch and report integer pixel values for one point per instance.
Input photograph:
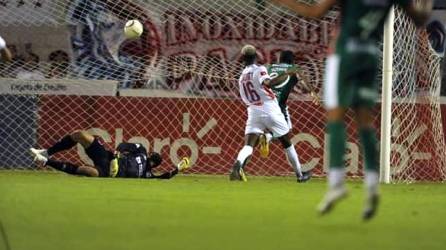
(55, 211)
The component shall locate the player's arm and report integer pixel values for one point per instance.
(272, 82)
(303, 80)
(316, 10)
(418, 11)
(267, 81)
(4, 51)
(181, 166)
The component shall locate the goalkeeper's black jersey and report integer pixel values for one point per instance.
(132, 161)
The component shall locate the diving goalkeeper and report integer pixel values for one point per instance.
(129, 160)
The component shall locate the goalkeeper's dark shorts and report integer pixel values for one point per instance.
(100, 156)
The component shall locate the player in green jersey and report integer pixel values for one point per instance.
(283, 90)
(350, 82)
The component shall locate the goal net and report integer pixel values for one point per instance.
(175, 89)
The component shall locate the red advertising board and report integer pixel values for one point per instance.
(211, 132)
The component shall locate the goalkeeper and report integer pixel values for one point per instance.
(130, 160)
(283, 90)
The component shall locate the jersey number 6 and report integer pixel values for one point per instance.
(250, 92)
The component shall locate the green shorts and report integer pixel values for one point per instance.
(351, 80)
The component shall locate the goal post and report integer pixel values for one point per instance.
(417, 133)
(386, 98)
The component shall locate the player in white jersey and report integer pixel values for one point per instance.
(4, 51)
(263, 114)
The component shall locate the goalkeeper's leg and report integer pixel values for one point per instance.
(73, 169)
(66, 167)
(67, 142)
(367, 134)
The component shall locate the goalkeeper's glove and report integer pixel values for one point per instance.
(183, 164)
(2, 43)
(114, 167)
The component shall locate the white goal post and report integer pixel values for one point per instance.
(386, 98)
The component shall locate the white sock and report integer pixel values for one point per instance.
(336, 177)
(371, 180)
(244, 154)
(294, 160)
(269, 137)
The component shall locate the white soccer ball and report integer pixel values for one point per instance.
(133, 29)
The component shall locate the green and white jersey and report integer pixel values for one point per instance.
(352, 71)
(282, 90)
(362, 22)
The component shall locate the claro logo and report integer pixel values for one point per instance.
(402, 157)
(158, 144)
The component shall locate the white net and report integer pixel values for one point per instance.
(417, 129)
(178, 91)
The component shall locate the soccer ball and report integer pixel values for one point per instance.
(133, 29)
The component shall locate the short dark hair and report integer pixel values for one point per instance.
(249, 59)
(287, 56)
(156, 158)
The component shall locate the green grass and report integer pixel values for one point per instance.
(55, 211)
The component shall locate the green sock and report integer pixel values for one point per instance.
(370, 149)
(337, 137)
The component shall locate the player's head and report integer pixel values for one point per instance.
(154, 159)
(286, 56)
(249, 54)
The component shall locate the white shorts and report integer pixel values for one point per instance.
(266, 117)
